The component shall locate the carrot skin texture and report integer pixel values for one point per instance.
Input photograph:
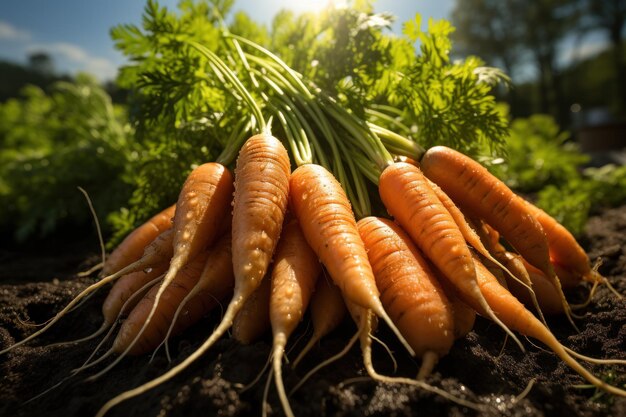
(563, 247)
(295, 271)
(328, 310)
(294, 275)
(202, 205)
(464, 315)
(461, 177)
(259, 207)
(327, 307)
(409, 290)
(547, 295)
(414, 205)
(132, 247)
(329, 226)
(154, 333)
(253, 320)
(125, 287)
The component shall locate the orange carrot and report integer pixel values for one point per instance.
(409, 291)
(517, 317)
(296, 269)
(414, 205)
(132, 247)
(547, 295)
(329, 226)
(260, 203)
(567, 256)
(202, 205)
(464, 315)
(151, 335)
(327, 309)
(253, 320)
(484, 196)
(215, 284)
(125, 287)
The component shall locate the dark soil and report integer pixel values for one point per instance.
(481, 367)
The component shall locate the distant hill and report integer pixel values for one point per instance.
(15, 76)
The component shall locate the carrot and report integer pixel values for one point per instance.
(215, 283)
(562, 245)
(152, 334)
(132, 247)
(253, 320)
(327, 309)
(296, 269)
(138, 334)
(329, 226)
(409, 291)
(547, 295)
(202, 204)
(475, 189)
(260, 203)
(470, 235)
(409, 198)
(155, 253)
(567, 256)
(125, 287)
(512, 312)
(464, 315)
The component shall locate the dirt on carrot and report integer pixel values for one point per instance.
(474, 369)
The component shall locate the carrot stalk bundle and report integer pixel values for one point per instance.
(260, 203)
(409, 291)
(326, 218)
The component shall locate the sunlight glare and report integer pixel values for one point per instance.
(316, 6)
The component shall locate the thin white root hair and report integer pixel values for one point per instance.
(326, 362)
(95, 219)
(526, 391)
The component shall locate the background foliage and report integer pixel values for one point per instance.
(178, 111)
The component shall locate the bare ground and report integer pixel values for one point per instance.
(37, 282)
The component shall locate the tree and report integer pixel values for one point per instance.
(489, 29)
(41, 63)
(610, 16)
(547, 23)
(507, 31)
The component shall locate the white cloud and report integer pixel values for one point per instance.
(584, 50)
(10, 32)
(76, 59)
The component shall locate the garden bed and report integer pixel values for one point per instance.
(481, 367)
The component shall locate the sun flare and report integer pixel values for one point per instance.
(316, 5)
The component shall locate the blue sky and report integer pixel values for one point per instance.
(76, 32)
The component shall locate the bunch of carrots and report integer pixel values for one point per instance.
(279, 236)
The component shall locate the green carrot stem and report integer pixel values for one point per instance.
(388, 119)
(398, 144)
(235, 142)
(232, 78)
(295, 77)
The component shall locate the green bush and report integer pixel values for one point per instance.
(50, 144)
